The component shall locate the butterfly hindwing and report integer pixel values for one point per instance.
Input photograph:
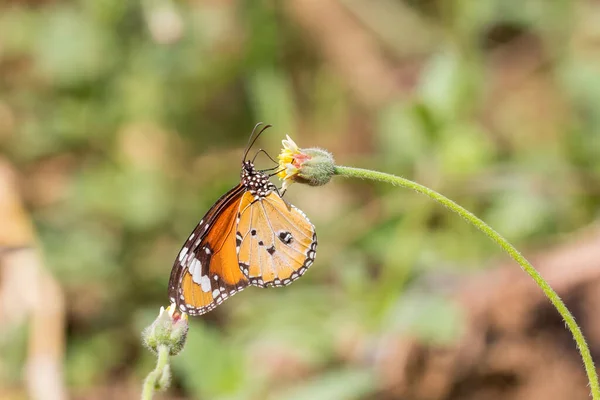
(276, 241)
(206, 271)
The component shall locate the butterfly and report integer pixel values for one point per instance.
(250, 237)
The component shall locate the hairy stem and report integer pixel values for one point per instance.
(158, 379)
(350, 172)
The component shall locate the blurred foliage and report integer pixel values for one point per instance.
(126, 121)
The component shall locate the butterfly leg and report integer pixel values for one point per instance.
(270, 158)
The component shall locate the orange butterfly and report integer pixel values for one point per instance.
(250, 236)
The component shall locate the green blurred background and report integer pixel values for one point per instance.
(124, 121)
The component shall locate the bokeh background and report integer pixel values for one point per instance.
(121, 122)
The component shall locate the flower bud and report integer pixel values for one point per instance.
(313, 166)
(318, 169)
(168, 329)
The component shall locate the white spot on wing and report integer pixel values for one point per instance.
(215, 293)
(182, 253)
(195, 268)
(197, 276)
(205, 283)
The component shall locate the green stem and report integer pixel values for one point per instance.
(157, 379)
(350, 172)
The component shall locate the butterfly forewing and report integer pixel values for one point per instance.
(205, 273)
(276, 241)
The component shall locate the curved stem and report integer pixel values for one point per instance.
(351, 172)
(158, 378)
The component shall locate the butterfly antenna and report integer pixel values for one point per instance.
(248, 145)
(252, 141)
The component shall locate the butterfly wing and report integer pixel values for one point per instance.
(206, 271)
(276, 241)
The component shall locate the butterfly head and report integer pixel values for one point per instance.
(255, 181)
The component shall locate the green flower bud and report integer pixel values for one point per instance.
(313, 167)
(316, 170)
(169, 329)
